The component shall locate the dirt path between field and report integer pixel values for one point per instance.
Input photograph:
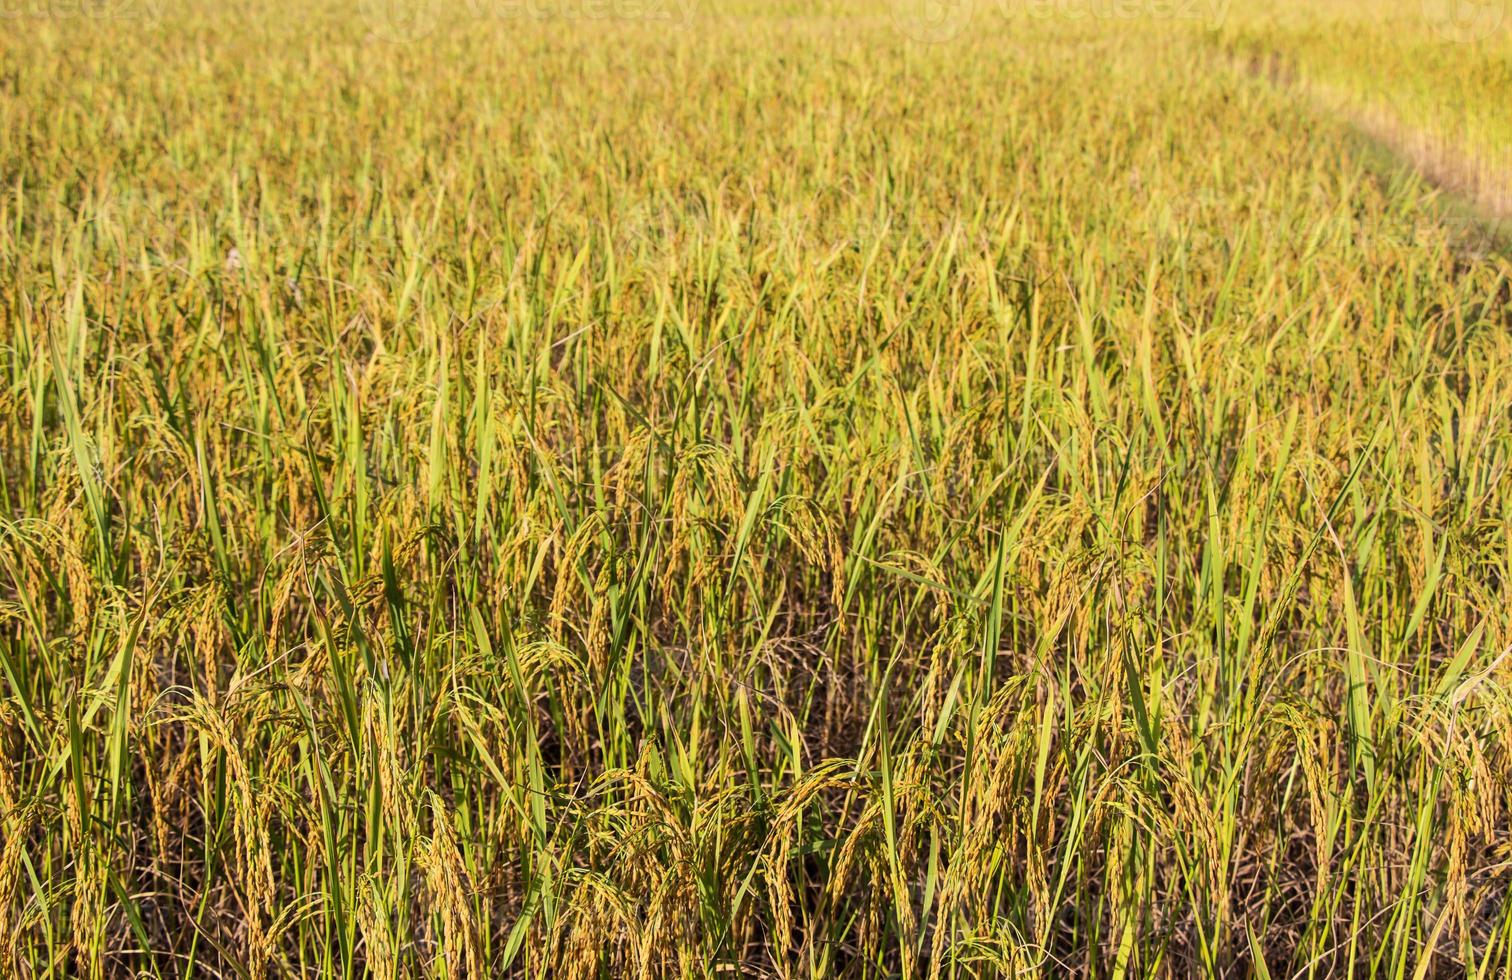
(1479, 187)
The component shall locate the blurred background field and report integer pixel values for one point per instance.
(863, 490)
(1427, 77)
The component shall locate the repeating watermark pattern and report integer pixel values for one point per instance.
(398, 21)
(141, 11)
(932, 21)
(401, 21)
(1196, 11)
(936, 21)
(1466, 21)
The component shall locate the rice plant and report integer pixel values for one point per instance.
(742, 490)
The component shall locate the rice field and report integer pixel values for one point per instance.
(691, 488)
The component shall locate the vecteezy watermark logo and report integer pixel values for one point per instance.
(651, 11)
(931, 21)
(1466, 21)
(141, 11)
(942, 20)
(1193, 11)
(399, 21)
(410, 20)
